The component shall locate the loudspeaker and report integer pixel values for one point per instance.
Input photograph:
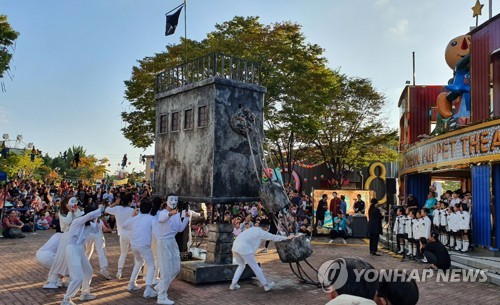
(390, 184)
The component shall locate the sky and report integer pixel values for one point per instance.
(72, 57)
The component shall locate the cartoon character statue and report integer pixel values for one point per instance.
(457, 57)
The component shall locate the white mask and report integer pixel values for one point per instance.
(172, 201)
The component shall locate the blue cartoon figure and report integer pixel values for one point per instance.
(457, 57)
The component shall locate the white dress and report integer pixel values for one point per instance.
(60, 266)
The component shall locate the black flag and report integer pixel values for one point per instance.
(172, 21)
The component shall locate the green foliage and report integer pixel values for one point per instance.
(55, 169)
(351, 130)
(311, 112)
(14, 163)
(7, 38)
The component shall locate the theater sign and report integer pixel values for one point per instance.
(478, 143)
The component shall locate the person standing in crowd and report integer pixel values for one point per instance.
(399, 230)
(46, 254)
(443, 223)
(343, 205)
(450, 229)
(359, 205)
(69, 211)
(80, 270)
(374, 226)
(435, 252)
(412, 201)
(455, 198)
(464, 226)
(169, 260)
(122, 213)
(430, 203)
(334, 204)
(456, 220)
(244, 247)
(140, 228)
(321, 210)
(356, 290)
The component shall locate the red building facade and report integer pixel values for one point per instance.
(469, 154)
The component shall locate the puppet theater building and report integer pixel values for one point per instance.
(470, 153)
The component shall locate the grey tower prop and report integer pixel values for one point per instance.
(198, 155)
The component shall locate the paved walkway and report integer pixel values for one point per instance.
(21, 279)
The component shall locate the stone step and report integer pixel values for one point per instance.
(493, 278)
(202, 273)
(492, 264)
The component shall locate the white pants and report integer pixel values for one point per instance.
(155, 255)
(249, 259)
(124, 244)
(169, 260)
(59, 266)
(45, 258)
(100, 245)
(141, 254)
(80, 270)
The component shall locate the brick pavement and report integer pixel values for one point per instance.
(21, 279)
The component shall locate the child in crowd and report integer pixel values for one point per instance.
(399, 229)
(409, 231)
(464, 226)
(443, 234)
(42, 223)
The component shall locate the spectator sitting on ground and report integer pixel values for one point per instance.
(112, 222)
(27, 219)
(305, 228)
(397, 291)
(12, 226)
(42, 223)
(349, 290)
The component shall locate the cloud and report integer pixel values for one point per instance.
(400, 29)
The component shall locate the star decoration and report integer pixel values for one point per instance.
(477, 9)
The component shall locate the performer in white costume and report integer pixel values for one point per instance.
(97, 240)
(122, 212)
(155, 211)
(80, 270)
(46, 254)
(244, 247)
(69, 211)
(169, 260)
(140, 228)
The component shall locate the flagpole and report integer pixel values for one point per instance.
(185, 33)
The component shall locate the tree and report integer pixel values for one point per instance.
(350, 130)
(293, 72)
(14, 163)
(7, 38)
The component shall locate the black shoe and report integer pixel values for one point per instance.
(375, 254)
